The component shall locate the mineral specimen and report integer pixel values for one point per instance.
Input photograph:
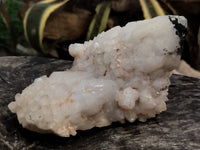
(122, 74)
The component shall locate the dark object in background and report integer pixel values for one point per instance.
(191, 10)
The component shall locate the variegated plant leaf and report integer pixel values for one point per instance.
(35, 20)
(99, 23)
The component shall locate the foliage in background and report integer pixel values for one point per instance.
(13, 8)
(36, 17)
(10, 25)
(4, 35)
(99, 23)
(35, 20)
(151, 8)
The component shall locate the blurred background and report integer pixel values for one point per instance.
(46, 28)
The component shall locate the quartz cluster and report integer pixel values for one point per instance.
(122, 74)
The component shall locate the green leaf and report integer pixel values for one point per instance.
(10, 25)
(4, 15)
(99, 23)
(35, 21)
(4, 34)
(151, 8)
(13, 7)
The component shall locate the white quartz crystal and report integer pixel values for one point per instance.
(122, 74)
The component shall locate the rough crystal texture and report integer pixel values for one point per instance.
(122, 74)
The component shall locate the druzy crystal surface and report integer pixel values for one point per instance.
(122, 74)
